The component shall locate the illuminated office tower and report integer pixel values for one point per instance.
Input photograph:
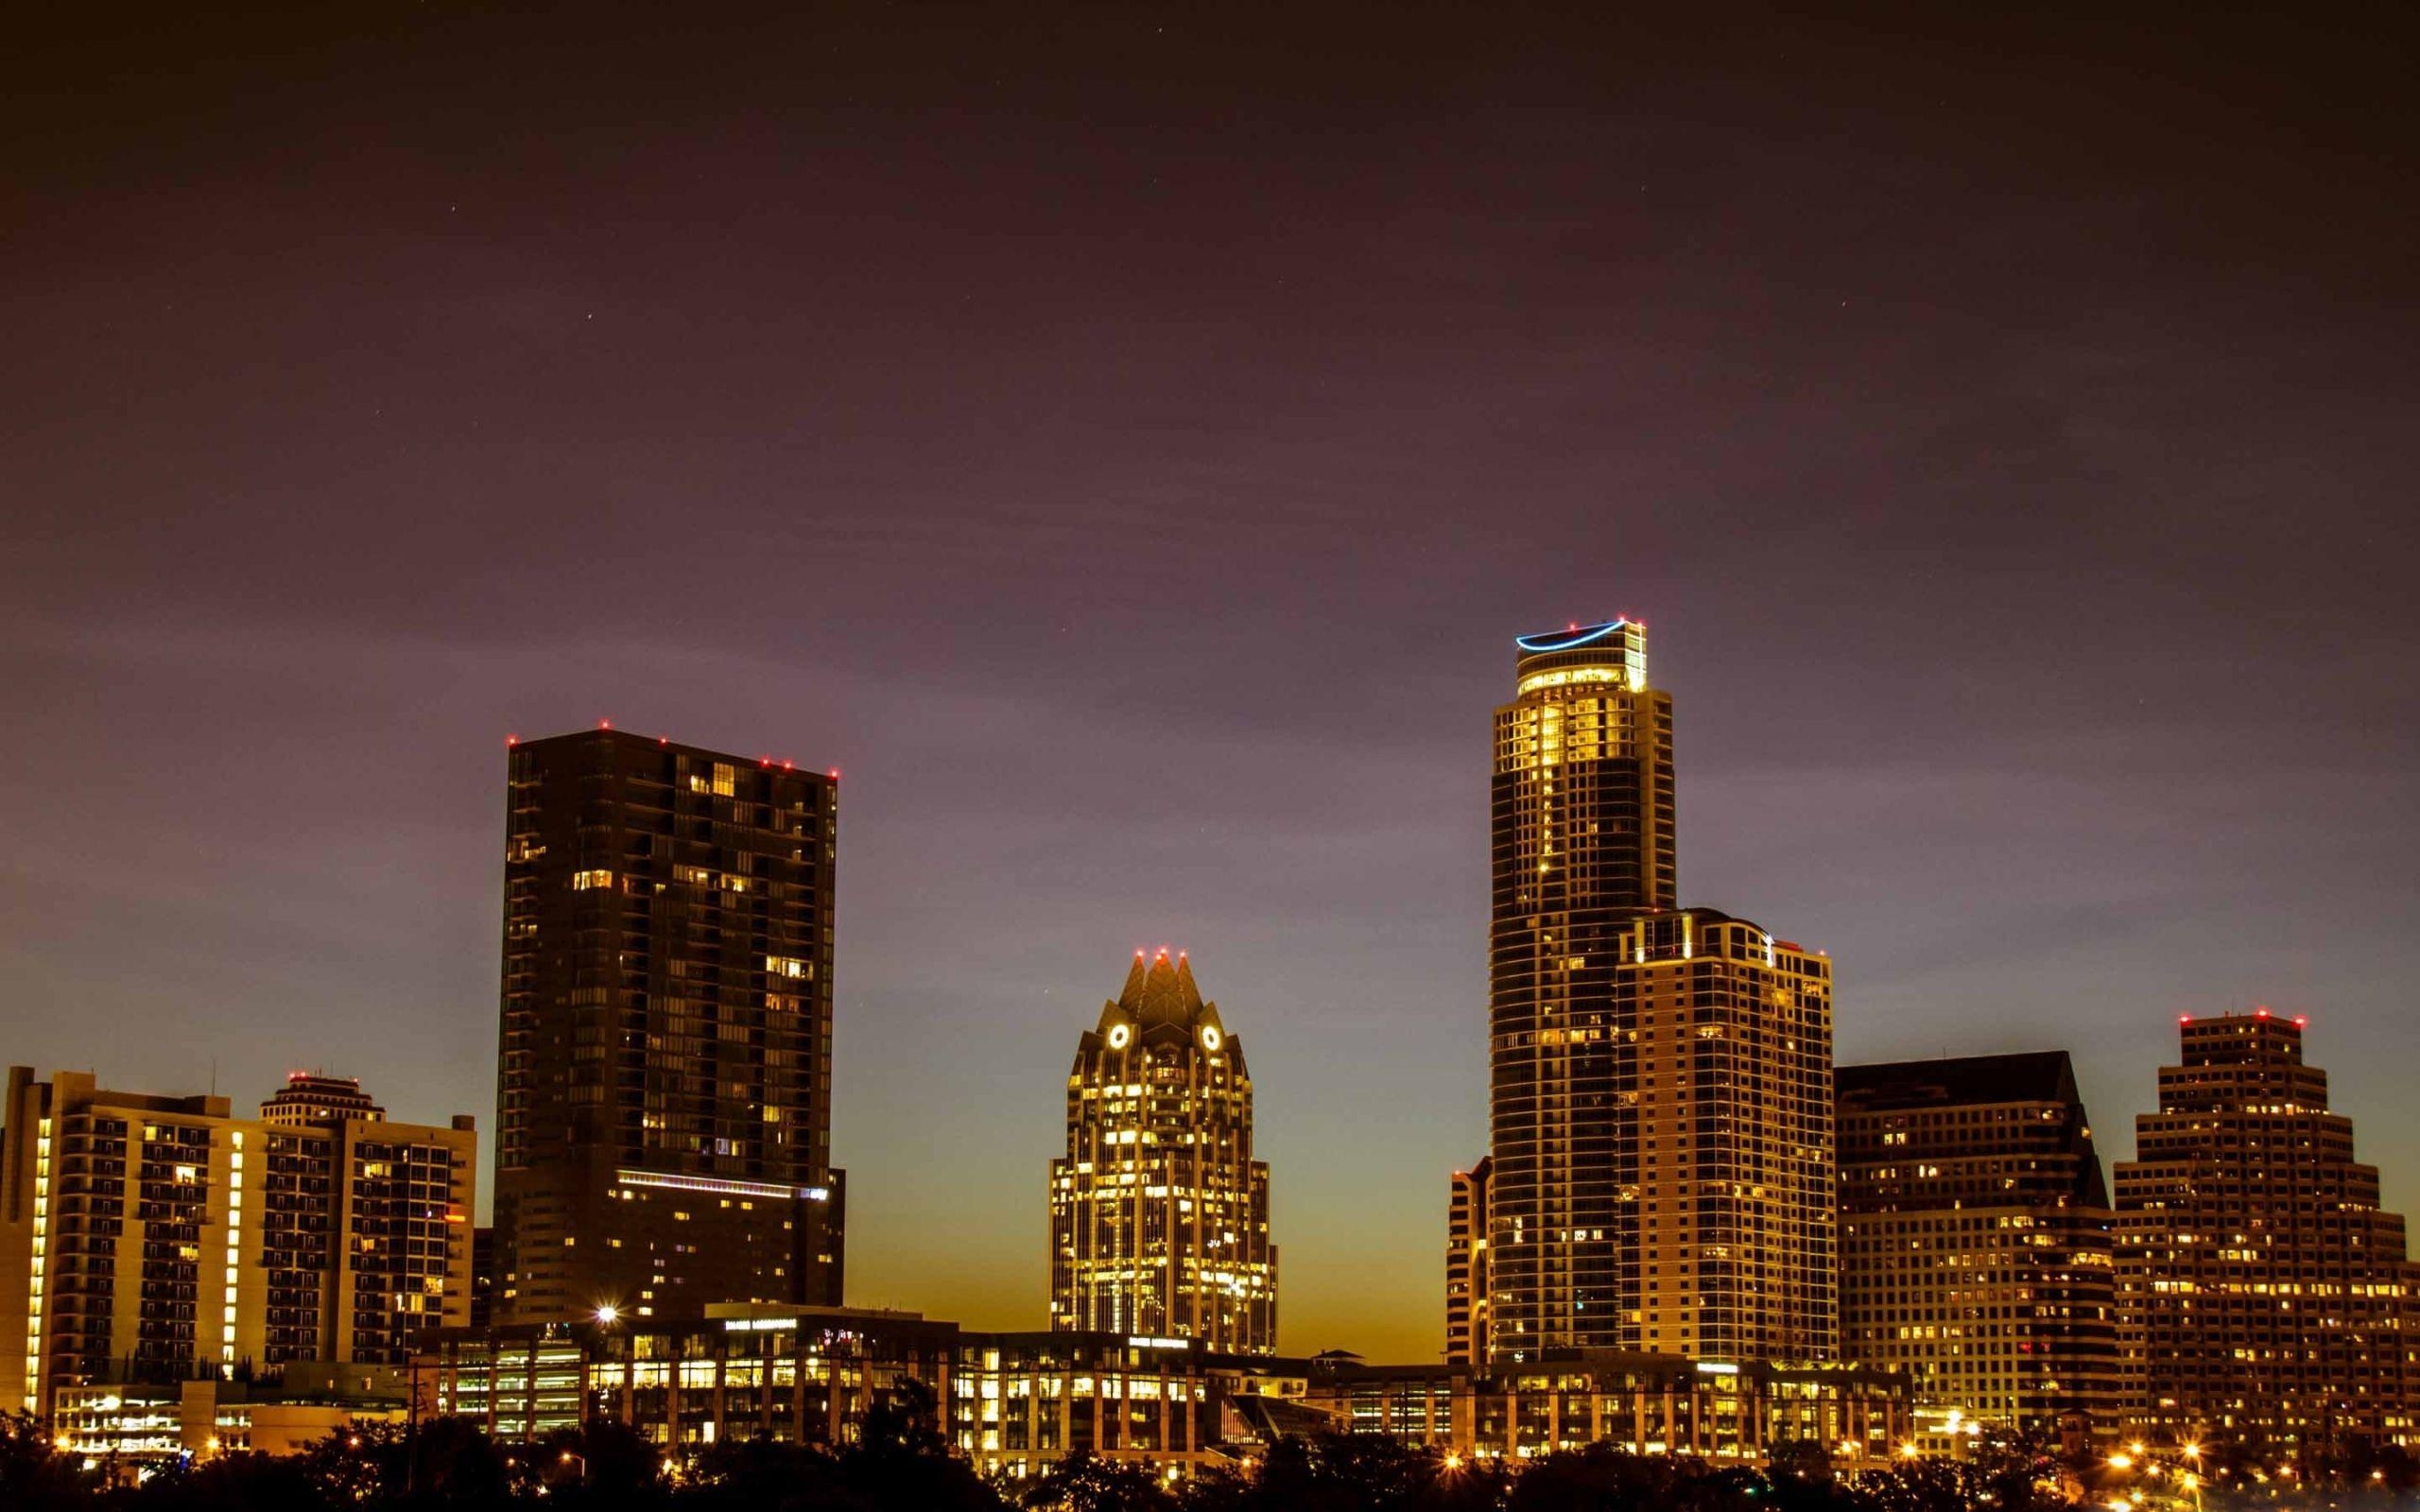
(1159, 1216)
(664, 1096)
(147, 1238)
(1466, 1282)
(1976, 1243)
(2266, 1296)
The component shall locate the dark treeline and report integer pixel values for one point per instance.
(901, 1463)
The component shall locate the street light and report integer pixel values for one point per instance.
(1909, 1451)
(607, 1313)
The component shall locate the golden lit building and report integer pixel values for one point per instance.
(1581, 801)
(1661, 1173)
(2266, 1296)
(145, 1239)
(1855, 1417)
(1466, 1284)
(1159, 1216)
(1975, 1245)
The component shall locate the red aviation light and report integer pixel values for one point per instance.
(2260, 1013)
(511, 741)
(604, 724)
(2302, 1020)
(2185, 1017)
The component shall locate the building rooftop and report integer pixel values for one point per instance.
(2029, 1076)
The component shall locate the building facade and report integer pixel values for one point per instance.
(1159, 1215)
(2266, 1296)
(126, 1428)
(1582, 810)
(1466, 1274)
(1661, 1163)
(1976, 1243)
(155, 1239)
(1011, 1403)
(1646, 1404)
(665, 1095)
(1677, 1132)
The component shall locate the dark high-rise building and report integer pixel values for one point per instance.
(2266, 1295)
(1976, 1243)
(665, 1099)
(1159, 1216)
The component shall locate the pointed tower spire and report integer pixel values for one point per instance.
(1130, 997)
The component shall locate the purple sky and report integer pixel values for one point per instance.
(1127, 452)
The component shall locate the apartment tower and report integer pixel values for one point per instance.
(1159, 1215)
(665, 1096)
(147, 1238)
(1661, 1172)
(2266, 1296)
(1976, 1247)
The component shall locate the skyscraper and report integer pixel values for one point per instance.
(1159, 1216)
(146, 1238)
(664, 1096)
(1661, 1165)
(2266, 1295)
(1976, 1243)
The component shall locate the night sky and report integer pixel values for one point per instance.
(1124, 443)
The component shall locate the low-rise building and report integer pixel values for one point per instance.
(1010, 1402)
(1646, 1404)
(127, 1428)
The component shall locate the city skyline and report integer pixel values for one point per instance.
(2013, 473)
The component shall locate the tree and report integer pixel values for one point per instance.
(1083, 1482)
(453, 1463)
(363, 1463)
(234, 1482)
(901, 1461)
(34, 1475)
(603, 1464)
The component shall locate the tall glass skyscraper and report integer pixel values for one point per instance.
(1159, 1216)
(665, 1096)
(1660, 1160)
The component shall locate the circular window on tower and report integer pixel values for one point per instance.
(1210, 1037)
(1119, 1035)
